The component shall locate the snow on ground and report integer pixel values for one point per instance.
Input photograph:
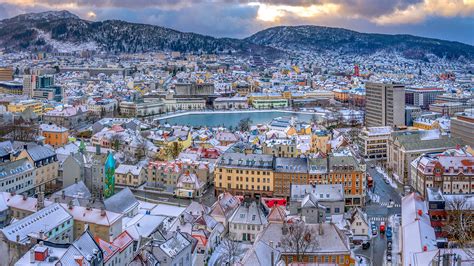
(218, 257)
(67, 47)
(373, 197)
(362, 261)
(390, 180)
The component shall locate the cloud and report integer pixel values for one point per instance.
(240, 18)
(421, 11)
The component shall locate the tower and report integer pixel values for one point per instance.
(356, 70)
(109, 180)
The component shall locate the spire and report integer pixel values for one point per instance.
(82, 146)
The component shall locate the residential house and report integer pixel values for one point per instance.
(247, 222)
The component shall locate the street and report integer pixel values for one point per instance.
(379, 209)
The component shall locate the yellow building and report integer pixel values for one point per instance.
(426, 124)
(46, 165)
(241, 174)
(21, 106)
(319, 141)
(130, 175)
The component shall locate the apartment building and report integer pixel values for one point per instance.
(20, 106)
(17, 176)
(450, 173)
(46, 164)
(242, 174)
(345, 170)
(385, 104)
(406, 146)
(422, 97)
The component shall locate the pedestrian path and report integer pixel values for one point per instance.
(378, 219)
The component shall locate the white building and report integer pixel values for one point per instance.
(247, 222)
(17, 176)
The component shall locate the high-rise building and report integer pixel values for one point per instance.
(385, 104)
(29, 85)
(462, 126)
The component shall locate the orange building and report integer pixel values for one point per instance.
(341, 95)
(54, 135)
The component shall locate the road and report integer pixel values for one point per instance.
(207, 198)
(378, 210)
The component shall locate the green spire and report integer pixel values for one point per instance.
(82, 146)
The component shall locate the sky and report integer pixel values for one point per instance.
(443, 19)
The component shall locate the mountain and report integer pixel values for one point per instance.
(317, 38)
(64, 31)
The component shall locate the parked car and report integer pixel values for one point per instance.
(388, 233)
(386, 180)
(382, 227)
(366, 245)
(389, 257)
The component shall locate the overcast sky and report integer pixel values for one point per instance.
(444, 19)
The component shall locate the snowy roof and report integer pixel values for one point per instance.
(142, 225)
(175, 245)
(93, 215)
(52, 128)
(249, 214)
(39, 152)
(122, 202)
(44, 220)
(322, 192)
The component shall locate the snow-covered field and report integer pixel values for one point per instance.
(67, 47)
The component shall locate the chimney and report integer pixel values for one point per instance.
(41, 236)
(79, 260)
(70, 205)
(88, 206)
(32, 256)
(63, 194)
(102, 211)
(17, 238)
(40, 201)
(24, 196)
(25, 146)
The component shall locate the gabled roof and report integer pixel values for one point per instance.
(39, 152)
(122, 202)
(277, 214)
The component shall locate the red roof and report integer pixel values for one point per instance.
(108, 248)
(122, 241)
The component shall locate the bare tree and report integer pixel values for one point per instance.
(298, 238)
(230, 249)
(460, 225)
(172, 150)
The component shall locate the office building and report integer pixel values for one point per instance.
(462, 126)
(422, 97)
(385, 104)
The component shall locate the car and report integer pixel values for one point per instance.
(386, 180)
(366, 245)
(389, 258)
(389, 248)
(372, 166)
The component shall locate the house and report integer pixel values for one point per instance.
(117, 252)
(129, 175)
(224, 207)
(54, 135)
(189, 186)
(53, 223)
(359, 224)
(177, 249)
(247, 222)
(309, 199)
(226, 138)
(84, 251)
(330, 246)
(123, 202)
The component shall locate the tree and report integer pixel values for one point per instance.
(230, 250)
(298, 238)
(173, 150)
(460, 225)
(115, 140)
(244, 124)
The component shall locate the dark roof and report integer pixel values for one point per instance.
(121, 202)
(291, 165)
